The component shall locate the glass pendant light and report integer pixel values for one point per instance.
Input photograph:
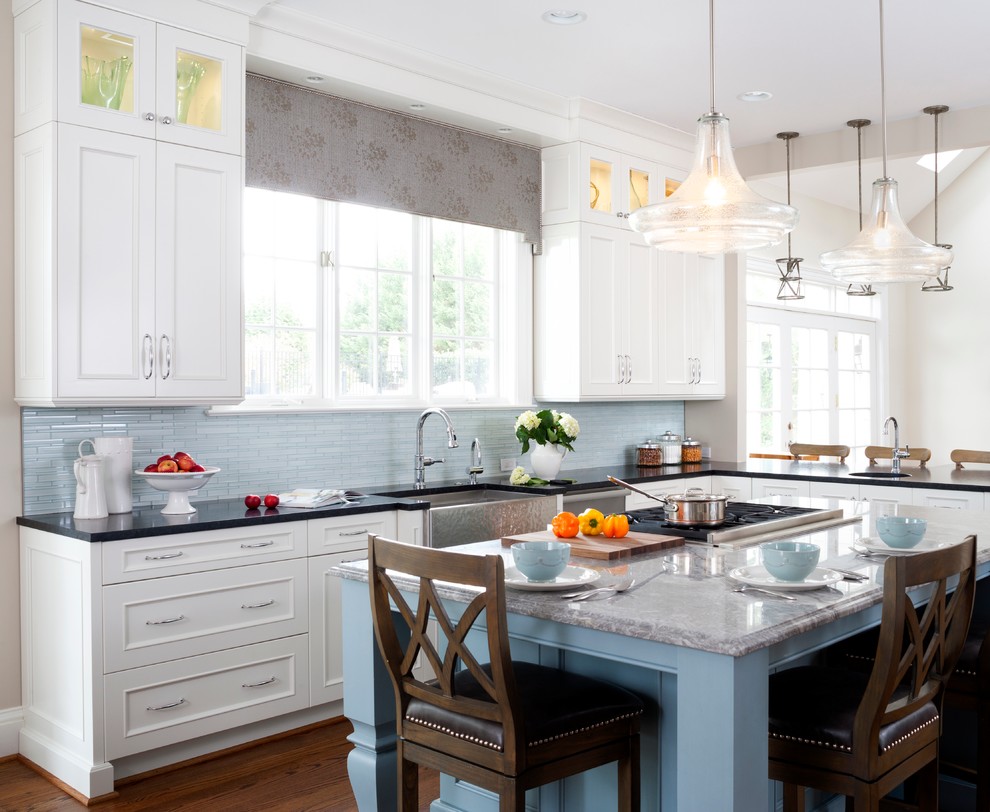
(789, 267)
(713, 211)
(941, 282)
(855, 289)
(885, 250)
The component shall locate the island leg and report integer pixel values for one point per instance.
(721, 730)
(369, 703)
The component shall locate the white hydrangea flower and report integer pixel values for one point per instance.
(569, 425)
(518, 476)
(528, 420)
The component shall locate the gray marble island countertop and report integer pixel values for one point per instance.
(687, 598)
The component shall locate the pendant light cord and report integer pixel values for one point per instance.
(787, 143)
(883, 97)
(711, 52)
(859, 171)
(935, 116)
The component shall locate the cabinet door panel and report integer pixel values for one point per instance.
(326, 637)
(707, 308)
(601, 291)
(106, 263)
(675, 377)
(106, 69)
(780, 487)
(638, 318)
(198, 338)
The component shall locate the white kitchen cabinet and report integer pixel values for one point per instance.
(592, 184)
(932, 497)
(141, 272)
(692, 295)
(780, 487)
(127, 271)
(597, 333)
(97, 67)
(143, 652)
(834, 490)
(885, 498)
(663, 487)
(737, 488)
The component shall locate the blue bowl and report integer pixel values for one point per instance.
(541, 561)
(790, 560)
(902, 532)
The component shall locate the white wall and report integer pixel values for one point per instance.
(10, 428)
(944, 339)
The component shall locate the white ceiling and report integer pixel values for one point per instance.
(819, 60)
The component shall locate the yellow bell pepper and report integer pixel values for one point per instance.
(591, 522)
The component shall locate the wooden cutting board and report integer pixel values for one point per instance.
(602, 547)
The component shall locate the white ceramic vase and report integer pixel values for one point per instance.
(545, 460)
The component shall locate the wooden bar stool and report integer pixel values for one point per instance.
(805, 449)
(502, 725)
(961, 455)
(882, 452)
(863, 734)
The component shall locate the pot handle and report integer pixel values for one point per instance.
(694, 491)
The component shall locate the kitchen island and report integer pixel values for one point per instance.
(695, 650)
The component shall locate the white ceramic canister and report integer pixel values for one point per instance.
(119, 454)
(91, 498)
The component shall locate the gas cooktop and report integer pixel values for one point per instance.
(744, 521)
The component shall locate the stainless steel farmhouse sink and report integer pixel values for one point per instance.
(880, 474)
(481, 513)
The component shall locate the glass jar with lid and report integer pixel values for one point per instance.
(649, 454)
(670, 443)
(690, 450)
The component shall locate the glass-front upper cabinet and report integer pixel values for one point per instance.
(134, 76)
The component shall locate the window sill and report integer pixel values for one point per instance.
(259, 409)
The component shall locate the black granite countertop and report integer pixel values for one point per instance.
(225, 513)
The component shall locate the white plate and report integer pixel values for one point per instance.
(877, 545)
(758, 576)
(570, 577)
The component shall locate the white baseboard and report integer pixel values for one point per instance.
(11, 722)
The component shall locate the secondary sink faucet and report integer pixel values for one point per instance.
(897, 455)
(421, 461)
(475, 467)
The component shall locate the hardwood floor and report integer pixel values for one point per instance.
(303, 772)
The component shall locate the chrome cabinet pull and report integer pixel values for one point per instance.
(362, 532)
(163, 556)
(163, 622)
(699, 370)
(257, 605)
(257, 544)
(166, 119)
(167, 364)
(622, 369)
(166, 707)
(268, 681)
(149, 116)
(148, 345)
(628, 369)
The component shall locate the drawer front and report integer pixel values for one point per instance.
(163, 704)
(344, 533)
(168, 618)
(157, 556)
(663, 487)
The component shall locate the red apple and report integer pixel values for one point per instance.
(196, 469)
(271, 500)
(185, 463)
(168, 467)
(152, 469)
(179, 455)
(163, 458)
(252, 500)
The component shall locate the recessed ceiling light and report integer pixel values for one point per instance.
(417, 106)
(562, 16)
(944, 159)
(505, 129)
(755, 96)
(315, 80)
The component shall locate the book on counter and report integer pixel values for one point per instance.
(316, 497)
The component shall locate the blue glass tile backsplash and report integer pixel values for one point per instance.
(264, 453)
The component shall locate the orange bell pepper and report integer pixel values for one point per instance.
(565, 525)
(616, 525)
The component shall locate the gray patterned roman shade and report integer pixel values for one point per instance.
(310, 143)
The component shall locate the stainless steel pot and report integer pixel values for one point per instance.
(694, 506)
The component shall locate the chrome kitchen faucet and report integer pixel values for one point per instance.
(475, 467)
(897, 455)
(421, 461)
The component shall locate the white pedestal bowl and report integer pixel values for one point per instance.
(179, 487)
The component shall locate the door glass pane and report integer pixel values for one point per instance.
(600, 191)
(639, 189)
(107, 69)
(198, 90)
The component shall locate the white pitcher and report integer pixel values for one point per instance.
(91, 497)
(118, 471)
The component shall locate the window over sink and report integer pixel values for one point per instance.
(351, 306)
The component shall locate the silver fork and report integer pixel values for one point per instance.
(619, 586)
(748, 588)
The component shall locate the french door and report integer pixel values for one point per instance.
(810, 378)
